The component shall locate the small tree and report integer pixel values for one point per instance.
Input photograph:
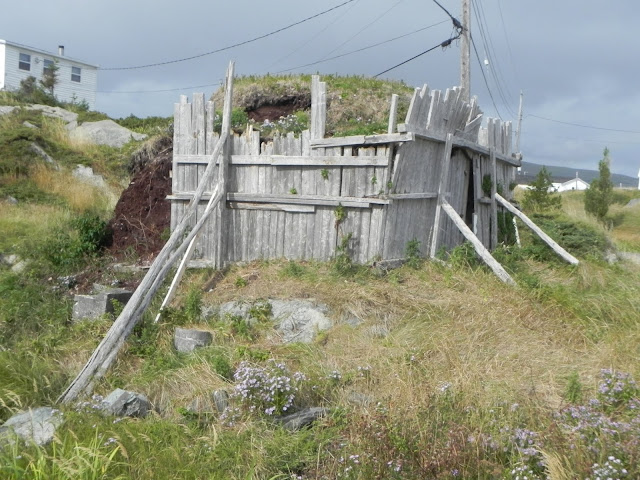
(50, 77)
(540, 196)
(599, 195)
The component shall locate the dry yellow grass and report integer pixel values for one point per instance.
(79, 195)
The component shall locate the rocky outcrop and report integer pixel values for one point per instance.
(104, 132)
(33, 426)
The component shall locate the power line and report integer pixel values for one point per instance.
(485, 77)
(363, 48)
(582, 126)
(456, 22)
(364, 28)
(163, 90)
(234, 45)
(289, 69)
(444, 44)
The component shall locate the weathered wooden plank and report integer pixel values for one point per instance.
(280, 207)
(356, 140)
(412, 113)
(412, 196)
(482, 252)
(546, 238)
(328, 200)
(444, 180)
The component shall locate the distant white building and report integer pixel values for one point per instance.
(77, 80)
(573, 184)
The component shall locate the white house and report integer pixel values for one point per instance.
(77, 80)
(573, 184)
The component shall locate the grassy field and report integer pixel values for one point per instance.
(447, 374)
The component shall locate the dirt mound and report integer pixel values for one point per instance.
(142, 216)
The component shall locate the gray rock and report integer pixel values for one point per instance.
(123, 403)
(303, 418)
(12, 200)
(104, 132)
(295, 320)
(37, 426)
(10, 259)
(6, 109)
(55, 112)
(29, 124)
(299, 320)
(630, 257)
(358, 398)
(86, 175)
(633, 202)
(611, 257)
(42, 154)
(94, 306)
(201, 404)
(220, 400)
(187, 340)
(20, 266)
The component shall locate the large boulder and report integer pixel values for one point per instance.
(104, 132)
(37, 425)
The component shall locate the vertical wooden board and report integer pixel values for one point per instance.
(376, 232)
(425, 103)
(414, 107)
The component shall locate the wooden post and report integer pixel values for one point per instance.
(465, 50)
(318, 107)
(494, 192)
(106, 352)
(546, 238)
(482, 252)
(393, 113)
(444, 181)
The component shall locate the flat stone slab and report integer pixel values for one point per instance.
(186, 340)
(94, 306)
(123, 403)
(37, 425)
(303, 418)
(104, 132)
(86, 175)
(295, 320)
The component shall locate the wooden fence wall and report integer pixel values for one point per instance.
(299, 197)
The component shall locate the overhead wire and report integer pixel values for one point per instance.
(493, 66)
(364, 28)
(235, 45)
(313, 37)
(368, 47)
(485, 77)
(582, 125)
(363, 48)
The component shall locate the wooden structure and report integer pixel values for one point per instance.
(299, 197)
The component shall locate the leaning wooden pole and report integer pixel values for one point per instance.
(107, 350)
(546, 238)
(484, 254)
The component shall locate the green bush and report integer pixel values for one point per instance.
(575, 237)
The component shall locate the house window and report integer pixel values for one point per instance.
(48, 65)
(25, 62)
(75, 74)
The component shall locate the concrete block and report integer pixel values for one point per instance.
(93, 306)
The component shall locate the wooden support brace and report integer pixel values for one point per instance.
(480, 249)
(546, 238)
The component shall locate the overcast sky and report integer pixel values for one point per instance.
(577, 61)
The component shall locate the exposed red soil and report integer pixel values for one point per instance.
(143, 212)
(271, 112)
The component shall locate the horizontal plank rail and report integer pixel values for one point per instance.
(356, 140)
(291, 199)
(480, 249)
(515, 160)
(546, 238)
(293, 161)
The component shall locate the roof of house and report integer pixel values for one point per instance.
(45, 52)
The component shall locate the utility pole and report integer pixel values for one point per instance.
(519, 124)
(465, 51)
